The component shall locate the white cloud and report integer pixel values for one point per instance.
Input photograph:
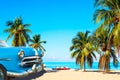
(53, 58)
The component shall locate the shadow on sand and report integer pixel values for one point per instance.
(114, 73)
(31, 76)
(34, 76)
(111, 72)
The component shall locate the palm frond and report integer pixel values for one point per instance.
(9, 23)
(98, 3)
(27, 25)
(86, 34)
(75, 53)
(9, 36)
(90, 60)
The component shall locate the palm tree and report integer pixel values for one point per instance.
(36, 43)
(107, 51)
(18, 31)
(108, 11)
(83, 49)
(108, 15)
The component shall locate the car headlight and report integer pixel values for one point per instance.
(21, 54)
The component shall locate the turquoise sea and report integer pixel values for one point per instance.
(74, 66)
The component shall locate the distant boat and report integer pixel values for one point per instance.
(61, 68)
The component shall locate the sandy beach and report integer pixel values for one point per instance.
(79, 75)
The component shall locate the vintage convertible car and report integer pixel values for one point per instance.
(18, 61)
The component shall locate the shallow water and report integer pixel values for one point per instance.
(74, 66)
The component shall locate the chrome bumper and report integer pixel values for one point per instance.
(34, 69)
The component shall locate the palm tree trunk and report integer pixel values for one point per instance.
(84, 64)
(16, 40)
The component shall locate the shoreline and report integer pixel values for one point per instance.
(74, 66)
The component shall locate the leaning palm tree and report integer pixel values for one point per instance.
(82, 49)
(36, 42)
(18, 31)
(107, 51)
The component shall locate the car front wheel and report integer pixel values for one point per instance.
(3, 73)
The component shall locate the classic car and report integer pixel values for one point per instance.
(19, 61)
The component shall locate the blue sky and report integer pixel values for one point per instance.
(58, 21)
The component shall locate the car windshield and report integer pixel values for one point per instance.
(3, 43)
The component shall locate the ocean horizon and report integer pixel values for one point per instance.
(73, 65)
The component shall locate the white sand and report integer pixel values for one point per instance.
(79, 75)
